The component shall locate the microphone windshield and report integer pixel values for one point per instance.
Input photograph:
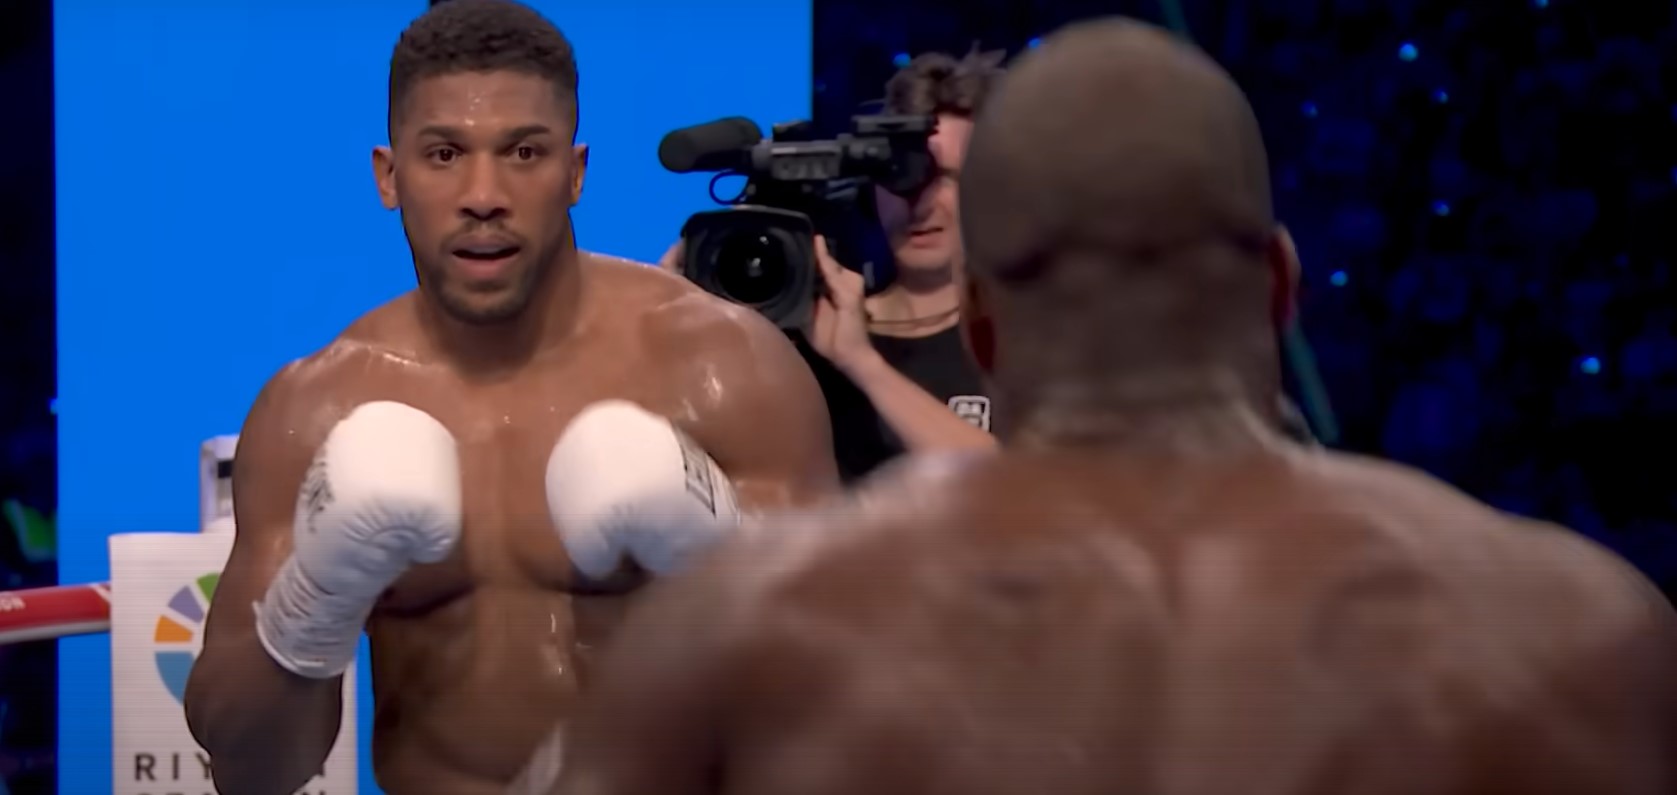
(720, 145)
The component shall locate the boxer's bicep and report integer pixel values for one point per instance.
(276, 445)
(264, 727)
(767, 426)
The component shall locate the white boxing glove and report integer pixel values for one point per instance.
(623, 482)
(382, 494)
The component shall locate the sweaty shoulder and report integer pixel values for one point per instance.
(308, 395)
(1411, 507)
(710, 346)
(730, 379)
(1503, 567)
(675, 315)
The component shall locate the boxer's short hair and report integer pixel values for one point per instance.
(482, 36)
(938, 83)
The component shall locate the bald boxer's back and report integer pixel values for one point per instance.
(1282, 623)
(1174, 603)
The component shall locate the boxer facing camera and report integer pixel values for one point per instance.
(760, 251)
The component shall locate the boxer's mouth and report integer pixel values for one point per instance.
(486, 260)
(922, 234)
(486, 254)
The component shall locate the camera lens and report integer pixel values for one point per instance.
(751, 267)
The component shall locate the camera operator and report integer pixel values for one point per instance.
(894, 369)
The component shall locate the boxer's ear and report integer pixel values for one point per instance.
(384, 175)
(1284, 269)
(978, 326)
(579, 170)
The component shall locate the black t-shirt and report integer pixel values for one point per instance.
(938, 363)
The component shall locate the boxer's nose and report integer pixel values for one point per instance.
(485, 197)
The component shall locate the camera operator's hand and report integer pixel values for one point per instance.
(671, 261)
(839, 329)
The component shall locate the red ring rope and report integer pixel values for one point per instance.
(56, 612)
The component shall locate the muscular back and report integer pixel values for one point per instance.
(1289, 623)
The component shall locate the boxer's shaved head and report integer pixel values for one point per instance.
(1118, 220)
(482, 36)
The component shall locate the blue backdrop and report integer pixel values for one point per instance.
(217, 218)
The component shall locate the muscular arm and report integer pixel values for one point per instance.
(922, 421)
(1620, 649)
(756, 409)
(266, 730)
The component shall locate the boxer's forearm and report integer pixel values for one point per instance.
(923, 422)
(267, 730)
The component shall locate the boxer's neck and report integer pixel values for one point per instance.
(1193, 413)
(495, 348)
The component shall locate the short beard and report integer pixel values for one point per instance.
(458, 304)
(510, 307)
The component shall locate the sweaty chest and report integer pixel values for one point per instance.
(505, 435)
(503, 464)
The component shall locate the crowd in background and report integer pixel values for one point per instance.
(1482, 194)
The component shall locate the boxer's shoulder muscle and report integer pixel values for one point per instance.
(292, 407)
(1572, 641)
(665, 304)
(1397, 504)
(1502, 568)
(594, 259)
(734, 381)
(307, 396)
(619, 283)
(316, 391)
(675, 322)
(391, 330)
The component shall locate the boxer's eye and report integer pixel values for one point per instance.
(444, 155)
(525, 153)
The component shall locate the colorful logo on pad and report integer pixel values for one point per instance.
(178, 631)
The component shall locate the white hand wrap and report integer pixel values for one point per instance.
(624, 482)
(382, 494)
